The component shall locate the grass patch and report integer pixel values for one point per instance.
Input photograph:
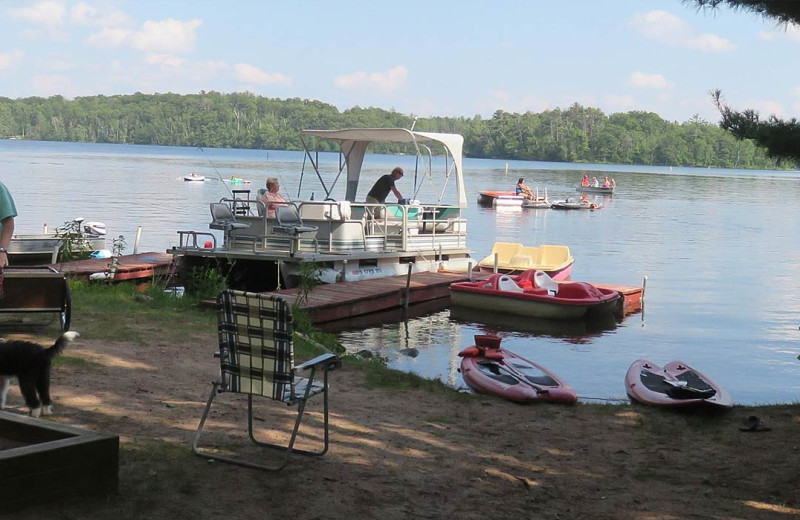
(120, 311)
(378, 375)
(75, 362)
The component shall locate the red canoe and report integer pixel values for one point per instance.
(677, 384)
(489, 369)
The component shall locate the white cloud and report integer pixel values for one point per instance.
(667, 28)
(791, 33)
(385, 82)
(615, 103)
(166, 37)
(46, 85)
(10, 59)
(163, 60)
(43, 13)
(642, 80)
(247, 73)
(85, 14)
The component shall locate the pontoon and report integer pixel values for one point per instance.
(344, 237)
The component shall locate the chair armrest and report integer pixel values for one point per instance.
(324, 359)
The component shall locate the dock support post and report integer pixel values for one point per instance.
(496, 262)
(469, 271)
(138, 237)
(407, 295)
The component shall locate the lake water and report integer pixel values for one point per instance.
(720, 249)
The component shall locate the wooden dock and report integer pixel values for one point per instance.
(344, 300)
(129, 267)
(347, 300)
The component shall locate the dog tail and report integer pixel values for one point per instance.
(61, 343)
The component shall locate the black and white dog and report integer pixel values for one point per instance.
(30, 363)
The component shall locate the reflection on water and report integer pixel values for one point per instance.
(496, 323)
(721, 255)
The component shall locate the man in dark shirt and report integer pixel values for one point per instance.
(380, 190)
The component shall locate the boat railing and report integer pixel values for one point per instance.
(192, 240)
(342, 227)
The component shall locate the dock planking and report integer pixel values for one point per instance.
(129, 267)
(343, 300)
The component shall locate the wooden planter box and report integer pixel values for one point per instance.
(45, 461)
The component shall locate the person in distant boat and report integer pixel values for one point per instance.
(613, 183)
(380, 190)
(523, 190)
(595, 182)
(8, 211)
(585, 180)
(271, 198)
(606, 182)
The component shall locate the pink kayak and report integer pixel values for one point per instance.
(677, 384)
(489, 369)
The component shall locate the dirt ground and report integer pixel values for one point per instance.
(412, 453)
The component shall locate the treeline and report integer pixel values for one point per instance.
(243, 120)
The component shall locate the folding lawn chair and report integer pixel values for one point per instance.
(257, 358)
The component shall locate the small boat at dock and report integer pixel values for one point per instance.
(488, 368)
(534, 294)
(512, 257)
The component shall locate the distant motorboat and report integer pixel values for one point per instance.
(43, 248)
(194, 177)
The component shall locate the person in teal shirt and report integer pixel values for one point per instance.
(7, 213)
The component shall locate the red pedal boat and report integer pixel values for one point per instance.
(536, 295)
(677, 384)
(489, 369)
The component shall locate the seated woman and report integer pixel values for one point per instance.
(585, 180)
(524, 190)
(606, 182)
(272, 198)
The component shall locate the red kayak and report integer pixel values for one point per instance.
(489, 369)
(677, 384)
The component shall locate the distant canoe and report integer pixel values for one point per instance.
(593, 189)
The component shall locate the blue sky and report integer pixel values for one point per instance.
(436, 57)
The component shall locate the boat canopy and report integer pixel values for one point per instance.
(353, 145)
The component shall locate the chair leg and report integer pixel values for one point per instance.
(208, 455)
(289, 449)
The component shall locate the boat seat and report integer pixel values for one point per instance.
(544, 281)
(505, 283)
(222, 218)
(505, 252)
(289, 223)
